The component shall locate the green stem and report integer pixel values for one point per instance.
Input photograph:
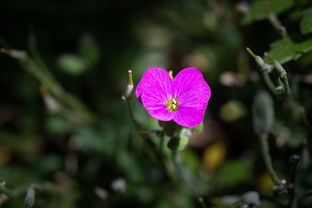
(267, 159)
(269, 83)
(9, 193)
(37, 58)
(294, 160)
(35, 69)
(131, 114)
(286, 84)
(277, 24)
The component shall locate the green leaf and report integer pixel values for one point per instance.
(72, 64)
(233, 173)
(285, 50)
(259, 10)
(92, 140)
(306, 23)
(190, 160)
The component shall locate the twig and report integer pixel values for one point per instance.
(293, 161)
(269, 83)
(39, 72)
(277, 24)
(131, 114)
(267, 159)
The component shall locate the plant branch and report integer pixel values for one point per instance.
(293, 161)
(42, 74)
(267, 159)
(277, 24)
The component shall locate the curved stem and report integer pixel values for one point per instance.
(37, 69)
(269, 83)
(286, 84)
(268, 160)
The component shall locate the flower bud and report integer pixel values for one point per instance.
(265, 67)
(130, 86)
(279, 68)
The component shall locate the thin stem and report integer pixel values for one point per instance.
(130, 112)
(156, 132)
(286, 84)
(35, 54)
(137, 139)
(269, 83)
(267, 159)
(42, 74)
(161, 144)
(185, 176)
(294, 160)
(6, 191)
(54, 87)
(277, 24)
(127, 98)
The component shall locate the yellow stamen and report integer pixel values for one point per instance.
(172, 105)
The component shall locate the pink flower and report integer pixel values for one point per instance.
(183, 99)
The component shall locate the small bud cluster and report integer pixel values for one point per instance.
(269, 68)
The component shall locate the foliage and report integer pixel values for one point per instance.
(68, 139)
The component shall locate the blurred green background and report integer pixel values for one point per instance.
(88, 155)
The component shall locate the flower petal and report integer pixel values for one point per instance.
(160, 112)
(189, 116)
(193, 94)
(138, 90)
(155, 89)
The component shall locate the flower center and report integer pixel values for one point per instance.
(172, 105)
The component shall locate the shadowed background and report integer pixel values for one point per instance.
(88, 48)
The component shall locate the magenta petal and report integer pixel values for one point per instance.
(189, 117)
(155, 89)
(138, 90)
(160, 112)
(193, 94)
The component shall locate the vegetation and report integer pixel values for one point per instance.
(72, 133)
